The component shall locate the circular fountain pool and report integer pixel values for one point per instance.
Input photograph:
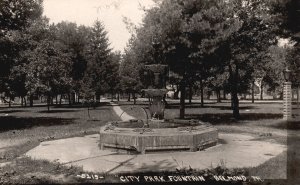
(158, 135)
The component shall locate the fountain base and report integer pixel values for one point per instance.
(158, 136)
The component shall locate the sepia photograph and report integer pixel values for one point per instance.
(150, 91)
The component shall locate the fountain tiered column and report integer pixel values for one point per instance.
(158, 91)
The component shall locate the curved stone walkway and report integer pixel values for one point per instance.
(123, 115)
(237, 151)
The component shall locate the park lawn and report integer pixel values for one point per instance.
(263, 121)
(74, 121)
(21, 129)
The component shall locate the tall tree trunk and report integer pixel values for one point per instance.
(31, 100)
(190, 93)
(218, 96)
(164, 100)
(112, 96)
(74, 98)
(89, 111)
(176, 92)
(9, 102)
(261, 91)
(48, 102)
(235, 104)
(201, 93)
(22, 101)
(252, 91)
(78, 99)
(118, 96)
(182, 99)
(224, 95)
(234, 91)
(56, 99)
(60, 99)
(128, 97)
(298, 89)
(25, 101)
(134, 98)
(69, 97)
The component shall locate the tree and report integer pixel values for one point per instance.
(189, 33)
(76, 40)
(287, 15)
(130, 74)
(99, 64)
(245, 46)
(47, 69)
(201, 38)
(113, 75)
(15, 16)
(26, 40)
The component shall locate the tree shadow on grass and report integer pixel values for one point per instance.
(57, 111)
(221, 107)
(11, 111)
(138, 103)
(15, 123)
(291, 125)
(226, 118)
(81, 105)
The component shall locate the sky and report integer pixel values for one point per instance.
(110, 12)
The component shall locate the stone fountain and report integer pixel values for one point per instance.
(157, 133)
(156, 94)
